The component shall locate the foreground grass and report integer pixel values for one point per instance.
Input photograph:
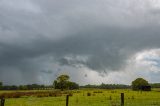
(97, 98)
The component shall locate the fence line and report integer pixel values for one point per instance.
(2, 100)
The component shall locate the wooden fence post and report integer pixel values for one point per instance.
(2, 101)
(122, 99)
(67, 100)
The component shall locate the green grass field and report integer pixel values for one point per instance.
(97, 98)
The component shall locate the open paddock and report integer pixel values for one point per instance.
(85, 97)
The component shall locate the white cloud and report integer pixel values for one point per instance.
(145, 64)
(149, 59)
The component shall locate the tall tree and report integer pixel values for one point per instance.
(63, 81)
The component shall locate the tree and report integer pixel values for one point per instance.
(62, 82)
(73, 85)
(63, 78)
(140, 84)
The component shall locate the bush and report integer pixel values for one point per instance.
(88, 94)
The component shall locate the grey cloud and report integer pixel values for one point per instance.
(100, 35)
(47, 71)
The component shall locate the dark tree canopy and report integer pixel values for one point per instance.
(63, 82)
(63, 78)
(141, 84)
(73, 85)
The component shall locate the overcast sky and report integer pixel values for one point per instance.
(93, 41)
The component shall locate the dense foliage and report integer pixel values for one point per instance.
(140, 84)
(136, 85)
(155, 85)
(63, 82)
(26, 87)
(107, 86)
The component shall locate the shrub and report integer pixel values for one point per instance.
(88, 94)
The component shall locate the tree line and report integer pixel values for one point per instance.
(62, 82)
(107, 86)
(155, 85)
(25, 87)
(62, 85)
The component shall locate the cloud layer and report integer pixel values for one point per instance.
(38, 37)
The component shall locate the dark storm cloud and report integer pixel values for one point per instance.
(100, 35)
(105, 48)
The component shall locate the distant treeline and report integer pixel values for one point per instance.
(155, 85)
(116, 86)
(44, 87)
(107, 86)
(26, 87)
(47, 87)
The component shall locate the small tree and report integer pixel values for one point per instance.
(139, 84)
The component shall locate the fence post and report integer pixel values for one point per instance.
(2, 101)
(122, 99)
(67, 100)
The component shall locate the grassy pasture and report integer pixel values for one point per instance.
(88, 97)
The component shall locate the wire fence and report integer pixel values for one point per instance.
(100, 99)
